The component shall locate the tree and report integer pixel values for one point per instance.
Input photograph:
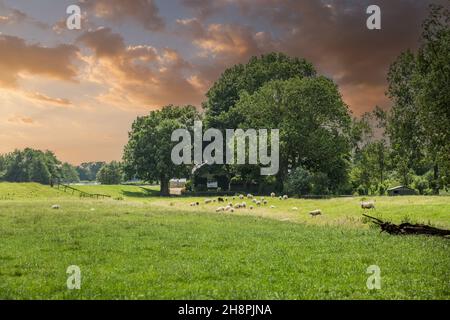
(88, 170)
(420, 118)
(110, 173)
(225, 92)
(69, 173)
(148, 152)
(314, 124)
(299, 182)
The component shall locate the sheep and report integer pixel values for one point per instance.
(285, 197)
(272, 195)
(294, 208)
(220, 199)
(272, 207)
(228, 208)
(254, 200)
(258, 203)
(243, 205)
(315, 212)
(265, 202)
(368, 205)
(241, 197)
(262, 198)
(280, 198)
(220, 209)
(230, 204)
(237, 206)
(208, 201)
(251, 207)
(193, 204)
(231, 210)
(249, 196)
(55, 206)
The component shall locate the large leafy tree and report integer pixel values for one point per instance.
(420, 118)
(314, 124)
(225, 92)
(148, 152)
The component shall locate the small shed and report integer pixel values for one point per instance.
(401, 191)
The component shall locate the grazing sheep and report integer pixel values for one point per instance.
(237, 206)
(241, 196)
(193, 204)
(254, 200)
(230, 204)
(55, 206)
(285, 197)
(208, 201)
(280, 198)
(251, 207)
(220, 199)
(249, 196)
(262, 198)
(315, 213)
(243, 205)
(294, 208)
(368, 205)
(220, 209)
(231, 210)
(272, 207)
(265, 202)
(228, 208)
(272, 195)
(258, 203)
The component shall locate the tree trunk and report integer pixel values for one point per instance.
(165, 192)
(436, 179)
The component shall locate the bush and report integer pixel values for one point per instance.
(110, 174)
(298, 182)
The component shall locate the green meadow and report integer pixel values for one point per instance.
(136, 245)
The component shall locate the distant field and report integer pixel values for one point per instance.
(147, 247)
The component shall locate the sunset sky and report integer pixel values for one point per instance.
(76, 92)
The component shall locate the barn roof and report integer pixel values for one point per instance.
(399, 187)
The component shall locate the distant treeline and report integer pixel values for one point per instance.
(30, 165)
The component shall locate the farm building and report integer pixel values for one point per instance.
(401, 191)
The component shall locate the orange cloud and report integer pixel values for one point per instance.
(138, 76)
(16, 57)
(145, 12)
(42, 97)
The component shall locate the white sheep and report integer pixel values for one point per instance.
(254, 200)
(265, 202)
(241, 196)
(280, 198)
(294, 208)
(272, 195)
(56, 206)
(368, 205)
(258, 203)
(220, 209)
(285, 197)
(243, 205)
(251, 207)
(208, 201)
(249, 196)
(315, 212)
(237, 206)
(228, 208)
(272, 207)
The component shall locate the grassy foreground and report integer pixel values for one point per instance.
(153, 248)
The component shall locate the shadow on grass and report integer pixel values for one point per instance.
(144, 193)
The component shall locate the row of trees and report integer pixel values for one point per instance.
(31, 165)
(323, 149)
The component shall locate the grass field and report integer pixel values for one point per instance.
(146, 247)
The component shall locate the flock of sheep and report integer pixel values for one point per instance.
(232, 206)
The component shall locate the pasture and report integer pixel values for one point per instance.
(136, 245)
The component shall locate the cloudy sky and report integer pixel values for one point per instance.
(76, 92)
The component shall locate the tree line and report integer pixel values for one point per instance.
(324, 149)
(30, 165)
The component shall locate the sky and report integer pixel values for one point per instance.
(77, 92)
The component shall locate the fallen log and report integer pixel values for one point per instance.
(408, 228)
